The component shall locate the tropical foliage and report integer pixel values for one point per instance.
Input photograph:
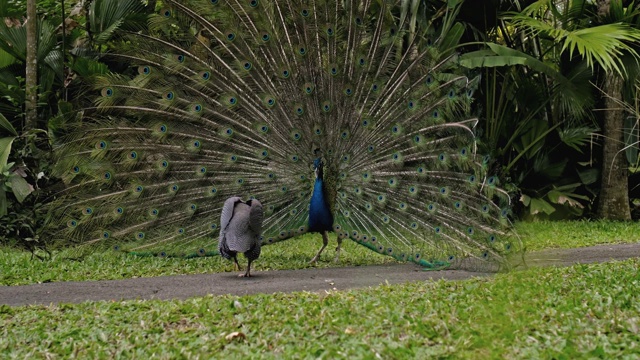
(542, 67)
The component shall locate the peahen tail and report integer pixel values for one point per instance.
(238, 98)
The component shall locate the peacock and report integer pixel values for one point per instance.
(339, 117)
(240, 230)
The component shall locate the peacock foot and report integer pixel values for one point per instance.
(337, 258)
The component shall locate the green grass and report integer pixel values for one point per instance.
(18, 268)
(584, 311)
(573, 234)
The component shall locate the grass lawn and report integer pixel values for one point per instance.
(584, 311)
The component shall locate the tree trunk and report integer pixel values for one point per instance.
(614, 187)
(31, 64)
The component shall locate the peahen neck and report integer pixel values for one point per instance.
(320, 217)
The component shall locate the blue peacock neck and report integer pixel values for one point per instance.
(320, 217)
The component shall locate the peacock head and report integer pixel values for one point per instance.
(317, 163)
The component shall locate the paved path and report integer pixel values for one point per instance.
(185, 286)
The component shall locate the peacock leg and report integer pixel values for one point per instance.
(247, 273)
(325, 241)
(337, 259)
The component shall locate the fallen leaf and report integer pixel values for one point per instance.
(236, 335)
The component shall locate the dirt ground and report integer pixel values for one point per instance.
(186, 286)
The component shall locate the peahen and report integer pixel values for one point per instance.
(337, 116)
(240, 230)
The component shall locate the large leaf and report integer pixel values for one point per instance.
(6, 125)
(6, 59)
(19, 186)
(532, 139)
(551, 170)
(5, 149)
(537, 206)
(589, 176)
(504, 56)
(604, 45)
(576, 137)
(85, 67)
(564, 195)
(13, 41)
(108, 16)
(452, 38)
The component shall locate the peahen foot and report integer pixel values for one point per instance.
(248, 272)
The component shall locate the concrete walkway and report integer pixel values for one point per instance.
(186, 286)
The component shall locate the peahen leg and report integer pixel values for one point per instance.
(337, 259)
(325, 241)
(236, 266)
(247, 273)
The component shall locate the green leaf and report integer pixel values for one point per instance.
(452, 38)
(576, 137)
(565, 198)
(5, 149)
(503, 56)
(539, 205)
(604, 45)
(6, 59)
(86, 67)
(6, 125)
(589, 176)
(20, 187)
(108, 16)
(552, 170)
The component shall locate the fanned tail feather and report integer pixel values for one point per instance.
(231, 98)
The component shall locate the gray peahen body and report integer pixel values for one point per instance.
(240, 230)
(336, 116)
